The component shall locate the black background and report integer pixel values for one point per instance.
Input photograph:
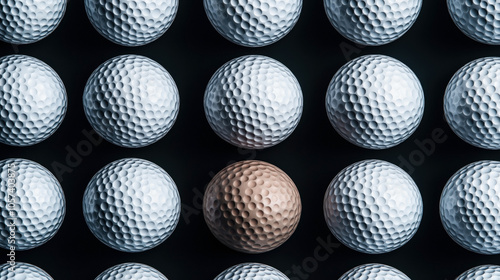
(191, 153)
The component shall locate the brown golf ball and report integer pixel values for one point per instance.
(252, 206)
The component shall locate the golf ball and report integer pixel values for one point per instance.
(252, 206)
(483, 272)
(131, 22)
(478, 19)
(372, 22)
(253, 102)
(472, 103)
(374, 271)
(26, 22)
(253, 23)
(373, 207)
(131, 101)
(23, 271)
(33, 100)
(375, 102)
(470, 207)
(32, 200)
(131, 205)
(132, 271)
(251, 271)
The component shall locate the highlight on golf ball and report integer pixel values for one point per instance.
(131, 271)
(25, 22)
(33, 100)
(374, 271)
(253, 23)
(470, 207)
(131, 101)
(24, 271)
(373, 207)
(478, 19)
(131, 23)
(252, 206)
(33, 200)
(482, 272)
(375, 102)
(253, 102)
(251, 271)
(131, 205)
(472, 103)
(372, 23)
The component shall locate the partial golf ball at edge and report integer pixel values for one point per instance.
(23, 271)
(251, 271)
(374, 271)
(482, 272)
(131, 271)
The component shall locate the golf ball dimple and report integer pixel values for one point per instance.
(252, 206)
(253, 102)
(372, 22)
(478, 19)
(131, 271)
(374, 271)
(131, 101)
(373, 207)
(470, 207)
(23, 271)
(251, 271)
(483, 272)
(375, 102)
(253, 23)
(34, 198)
(472, 103)
(26, 22)
(131, 23)
(131, 205)
(33, 100)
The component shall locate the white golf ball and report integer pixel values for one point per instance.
(131, 271)
(374, 271)
(482, 272)
(23, 271)
(251, 271)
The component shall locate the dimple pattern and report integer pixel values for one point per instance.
(131, 205)
(252, 206)
(131, 101)
(39, 204)
(33, 100)
(374, 271)
(478, 19)
(472, 103)
(470, 207)
(253, 23)
(131, 271)
(253, 102)
(251, 271)
(375, 102)
(373, 207)
(483, 272)
(372, 22)
(29, 21)
(23, 271)
(131, 23)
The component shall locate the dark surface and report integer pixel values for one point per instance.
(191, 153)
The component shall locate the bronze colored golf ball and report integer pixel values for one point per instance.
(252, 206)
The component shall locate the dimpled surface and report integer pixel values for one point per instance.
(373, 207)
(478, 19)
(131, 205)
(375, 102)
(33, 100)
(28, 21)
(252, 206)
(131, 22)
(23, 271)
(253, 23)
(251, 271)
(131, 271)
(472, 103)
(374, 271)
(131, 101)
(470, 207)
(253, 102)
(39, 205)
(483, 272)
(372, 22)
